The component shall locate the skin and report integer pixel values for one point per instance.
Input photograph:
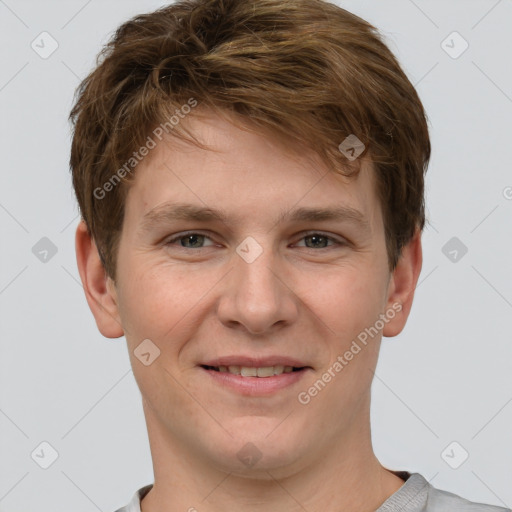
(302, 297)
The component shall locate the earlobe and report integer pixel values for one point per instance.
(402, 286)
(99, 289)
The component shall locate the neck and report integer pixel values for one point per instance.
(345, 476)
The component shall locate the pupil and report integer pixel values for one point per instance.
(316, 238)
(191, 238)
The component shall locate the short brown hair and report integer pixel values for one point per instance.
(304, 70)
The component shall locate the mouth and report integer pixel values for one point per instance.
(253, 371)
(255, 378)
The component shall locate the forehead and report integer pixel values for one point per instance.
(244, 174)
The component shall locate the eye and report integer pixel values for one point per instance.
(195, 240)
(320, 240)
(191, 240)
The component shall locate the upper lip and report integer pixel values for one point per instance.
(256, 362)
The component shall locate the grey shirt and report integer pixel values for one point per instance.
(416, 495)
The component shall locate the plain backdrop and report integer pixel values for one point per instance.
(443, 387)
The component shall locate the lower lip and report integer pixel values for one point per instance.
(255, 386)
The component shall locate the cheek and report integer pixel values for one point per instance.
(156, 300)
(349, 307)
(347, 301)
(158, 304)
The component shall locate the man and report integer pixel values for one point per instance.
(250, 178)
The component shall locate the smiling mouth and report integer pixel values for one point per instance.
(251, 371)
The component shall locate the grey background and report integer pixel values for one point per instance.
(446, 378)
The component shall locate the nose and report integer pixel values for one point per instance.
(256, 295)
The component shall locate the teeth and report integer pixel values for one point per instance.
(267, 371)
(249, 371)
(246, 371)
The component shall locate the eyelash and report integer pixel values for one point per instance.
(304, 235)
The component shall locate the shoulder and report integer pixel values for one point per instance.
(443, 501)
(134, 505)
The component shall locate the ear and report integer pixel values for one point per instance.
(100, 290)
(402, 285)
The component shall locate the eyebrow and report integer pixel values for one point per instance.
(169, 212)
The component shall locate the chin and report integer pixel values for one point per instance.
(251, 462)
(257, 445)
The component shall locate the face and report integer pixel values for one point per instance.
(229, 261)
